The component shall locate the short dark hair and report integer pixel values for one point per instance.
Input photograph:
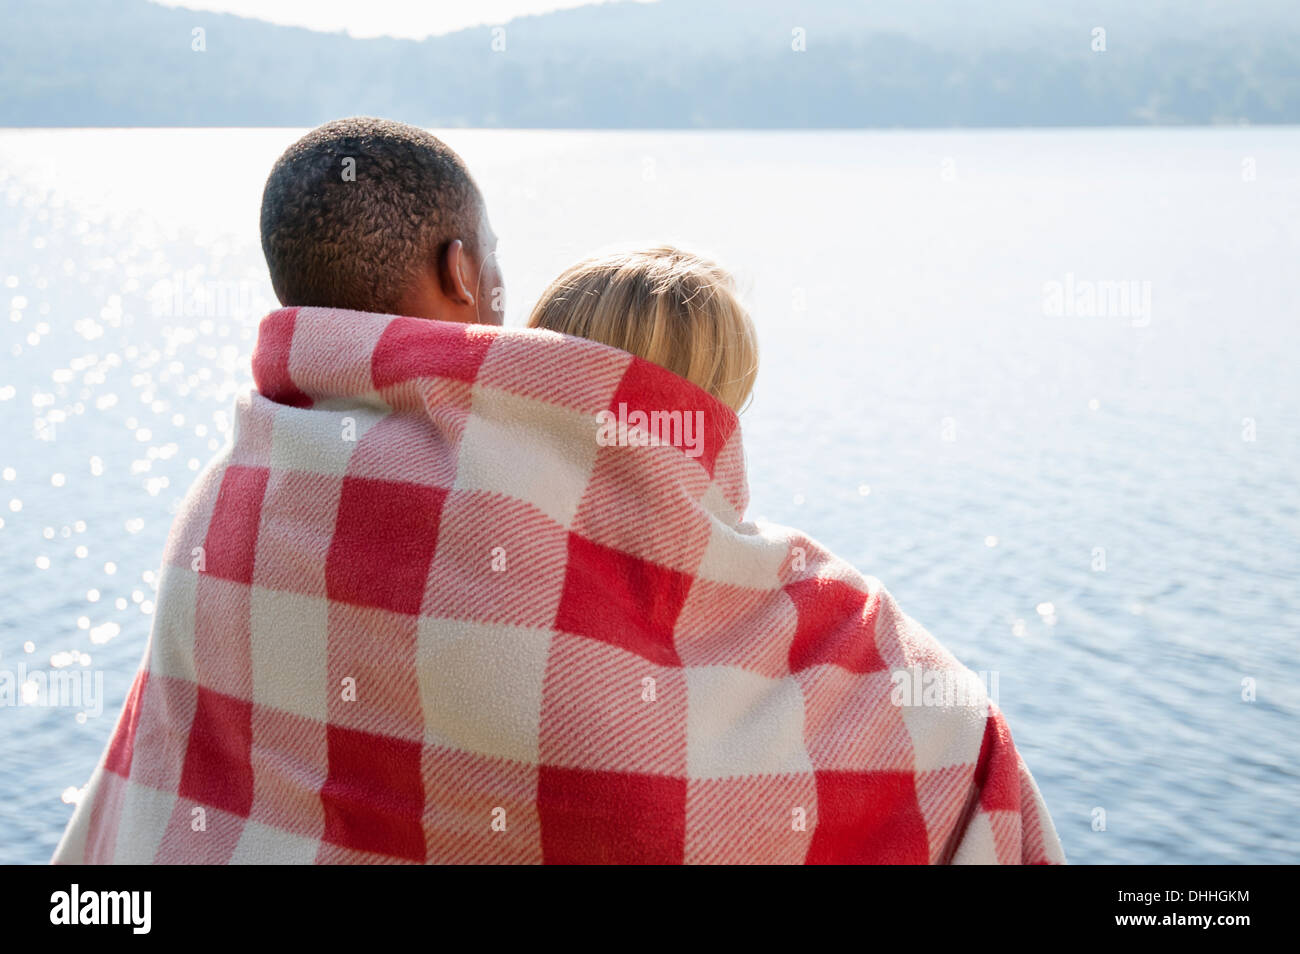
(344, 241)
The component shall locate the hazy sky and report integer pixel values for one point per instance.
(381, 17)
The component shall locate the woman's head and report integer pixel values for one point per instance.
(665, 305)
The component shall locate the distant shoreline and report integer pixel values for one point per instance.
(674, 64)
(1163, 127)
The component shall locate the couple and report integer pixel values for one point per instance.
(423, 609)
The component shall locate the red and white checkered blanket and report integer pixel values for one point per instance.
(431, 605)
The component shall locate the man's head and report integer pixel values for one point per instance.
(375, 215)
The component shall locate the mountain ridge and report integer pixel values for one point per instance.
(674, 64)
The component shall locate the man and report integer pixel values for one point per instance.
(417, 611)
(374, 215)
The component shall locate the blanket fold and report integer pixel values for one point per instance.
(467, 594)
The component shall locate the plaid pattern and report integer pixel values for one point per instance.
(417, 612)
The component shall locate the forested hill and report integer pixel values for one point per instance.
(670, 64)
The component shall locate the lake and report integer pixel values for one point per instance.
(1043, 384)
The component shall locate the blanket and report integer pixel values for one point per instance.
(463, 594)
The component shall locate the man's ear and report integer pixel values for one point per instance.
(456, 273)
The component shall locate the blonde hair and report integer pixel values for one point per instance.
(668, 306)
